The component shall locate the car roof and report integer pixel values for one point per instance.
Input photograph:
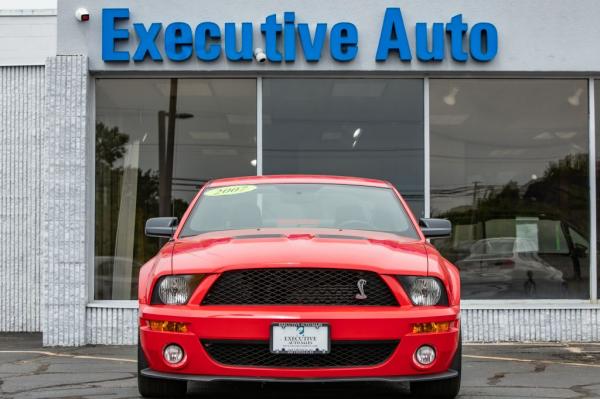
(323, 179)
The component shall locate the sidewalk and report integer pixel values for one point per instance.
(28, 370)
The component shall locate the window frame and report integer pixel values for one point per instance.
(492, 304)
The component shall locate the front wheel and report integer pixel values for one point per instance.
(157, 387)
(443, 389)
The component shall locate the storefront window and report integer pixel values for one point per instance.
(157, 142)
(354, 127)
(509, 168)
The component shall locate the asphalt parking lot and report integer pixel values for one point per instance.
(27, 370)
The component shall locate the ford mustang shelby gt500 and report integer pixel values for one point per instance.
(299, 278)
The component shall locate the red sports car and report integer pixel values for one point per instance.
(295, 279)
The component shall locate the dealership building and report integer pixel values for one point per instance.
(483, 113)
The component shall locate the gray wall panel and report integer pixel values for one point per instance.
(118, 326)
(531, 325)
(64, 211)
(21, 128)
(111, 326)
(534, 35)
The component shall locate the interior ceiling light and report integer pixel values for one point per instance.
(575, 99)
(565, 135)
(356, 134)
(543, 136)
(450, 98)
(253, 163)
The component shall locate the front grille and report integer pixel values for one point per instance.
(258, 354)
(299, 287)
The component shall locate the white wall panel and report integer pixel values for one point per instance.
(118, 326)
(27, 37)
(21, 129)
(531, 325)
(65, 216)
(111, 326)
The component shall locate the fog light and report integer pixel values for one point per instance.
(173, 354)
(170, 326)
(425, 355)
(432, 327)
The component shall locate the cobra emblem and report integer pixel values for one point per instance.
(361, 289)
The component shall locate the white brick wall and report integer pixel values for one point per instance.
(568, 324)
(21, 128)
(118, 326)
(65, 216)
(111, 326)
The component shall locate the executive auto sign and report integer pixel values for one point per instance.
(283, 37)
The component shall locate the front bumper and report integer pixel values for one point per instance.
(252, 323)
(212, 378)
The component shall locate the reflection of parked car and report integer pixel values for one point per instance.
(106, 268)
(510, 266)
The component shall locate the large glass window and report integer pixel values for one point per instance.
(157, 142)
(355, 127)
(509, 168)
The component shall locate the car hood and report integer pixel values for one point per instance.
(219, 251)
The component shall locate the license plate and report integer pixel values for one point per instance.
(300, 338)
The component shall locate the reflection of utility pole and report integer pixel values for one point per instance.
(166, 147)
(475, 190)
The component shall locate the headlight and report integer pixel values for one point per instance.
(424, 291)
(175, 290)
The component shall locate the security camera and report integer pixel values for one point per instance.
(260, 55)
(82, 14)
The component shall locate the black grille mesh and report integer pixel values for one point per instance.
(298, 287)
(342, 354)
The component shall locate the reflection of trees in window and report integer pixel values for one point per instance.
(111, 148)
(564, 188)
(556, 204)
(147, 207)
(562, 193)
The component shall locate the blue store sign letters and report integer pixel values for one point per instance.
(282, 37)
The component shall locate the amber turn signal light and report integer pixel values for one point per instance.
(431, 327)
(169, 326)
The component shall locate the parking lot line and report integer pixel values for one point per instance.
(515, 359)
(47, 353)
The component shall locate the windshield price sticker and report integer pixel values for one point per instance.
(229, 190)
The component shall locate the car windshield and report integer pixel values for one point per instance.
(333, 206)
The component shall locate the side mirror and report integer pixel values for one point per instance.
(161, 227)
(435, 228)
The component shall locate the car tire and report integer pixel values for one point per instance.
(157, 387)
(446, 389)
